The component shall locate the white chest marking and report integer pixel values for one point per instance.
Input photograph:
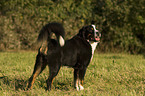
(93, 45)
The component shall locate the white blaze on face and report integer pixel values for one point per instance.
(95, 30)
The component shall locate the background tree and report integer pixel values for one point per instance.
(121, 22)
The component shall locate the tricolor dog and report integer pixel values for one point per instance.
(76, 52)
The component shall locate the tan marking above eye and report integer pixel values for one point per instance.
(92, 28)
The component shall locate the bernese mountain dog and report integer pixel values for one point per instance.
(55, 52)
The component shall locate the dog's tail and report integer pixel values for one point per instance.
(51, 31)
(46, 33)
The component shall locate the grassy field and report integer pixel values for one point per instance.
(107, 75)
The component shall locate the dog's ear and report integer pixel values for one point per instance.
(82, 32)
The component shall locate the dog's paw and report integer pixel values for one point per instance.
(81, 87)
(77, 88)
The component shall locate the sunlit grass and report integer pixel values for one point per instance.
(107, 75)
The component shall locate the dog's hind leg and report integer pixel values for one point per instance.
(53, 71)
(39, 67)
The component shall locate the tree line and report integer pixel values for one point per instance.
(121, 22)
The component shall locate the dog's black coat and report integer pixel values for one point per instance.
(75, 53)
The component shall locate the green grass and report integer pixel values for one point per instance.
(107, 75)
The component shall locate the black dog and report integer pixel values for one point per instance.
(76, 52)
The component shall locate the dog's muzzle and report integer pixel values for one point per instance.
(97, 36)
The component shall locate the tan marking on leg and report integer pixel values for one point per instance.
(82, 81)
(77, 85)
(43, 48)
(52, 80)
(34, 77)
(81, 85)
(53, 36)
(40, 49)
(46, 49)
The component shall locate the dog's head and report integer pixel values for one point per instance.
(90, 33)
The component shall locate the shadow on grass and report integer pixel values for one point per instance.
(18, 84)
(21, 84)
(62, 86)
(5, 80)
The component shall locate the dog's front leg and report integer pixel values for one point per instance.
(76, 79)
(79, 78)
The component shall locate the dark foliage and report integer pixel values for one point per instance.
(121, 22)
